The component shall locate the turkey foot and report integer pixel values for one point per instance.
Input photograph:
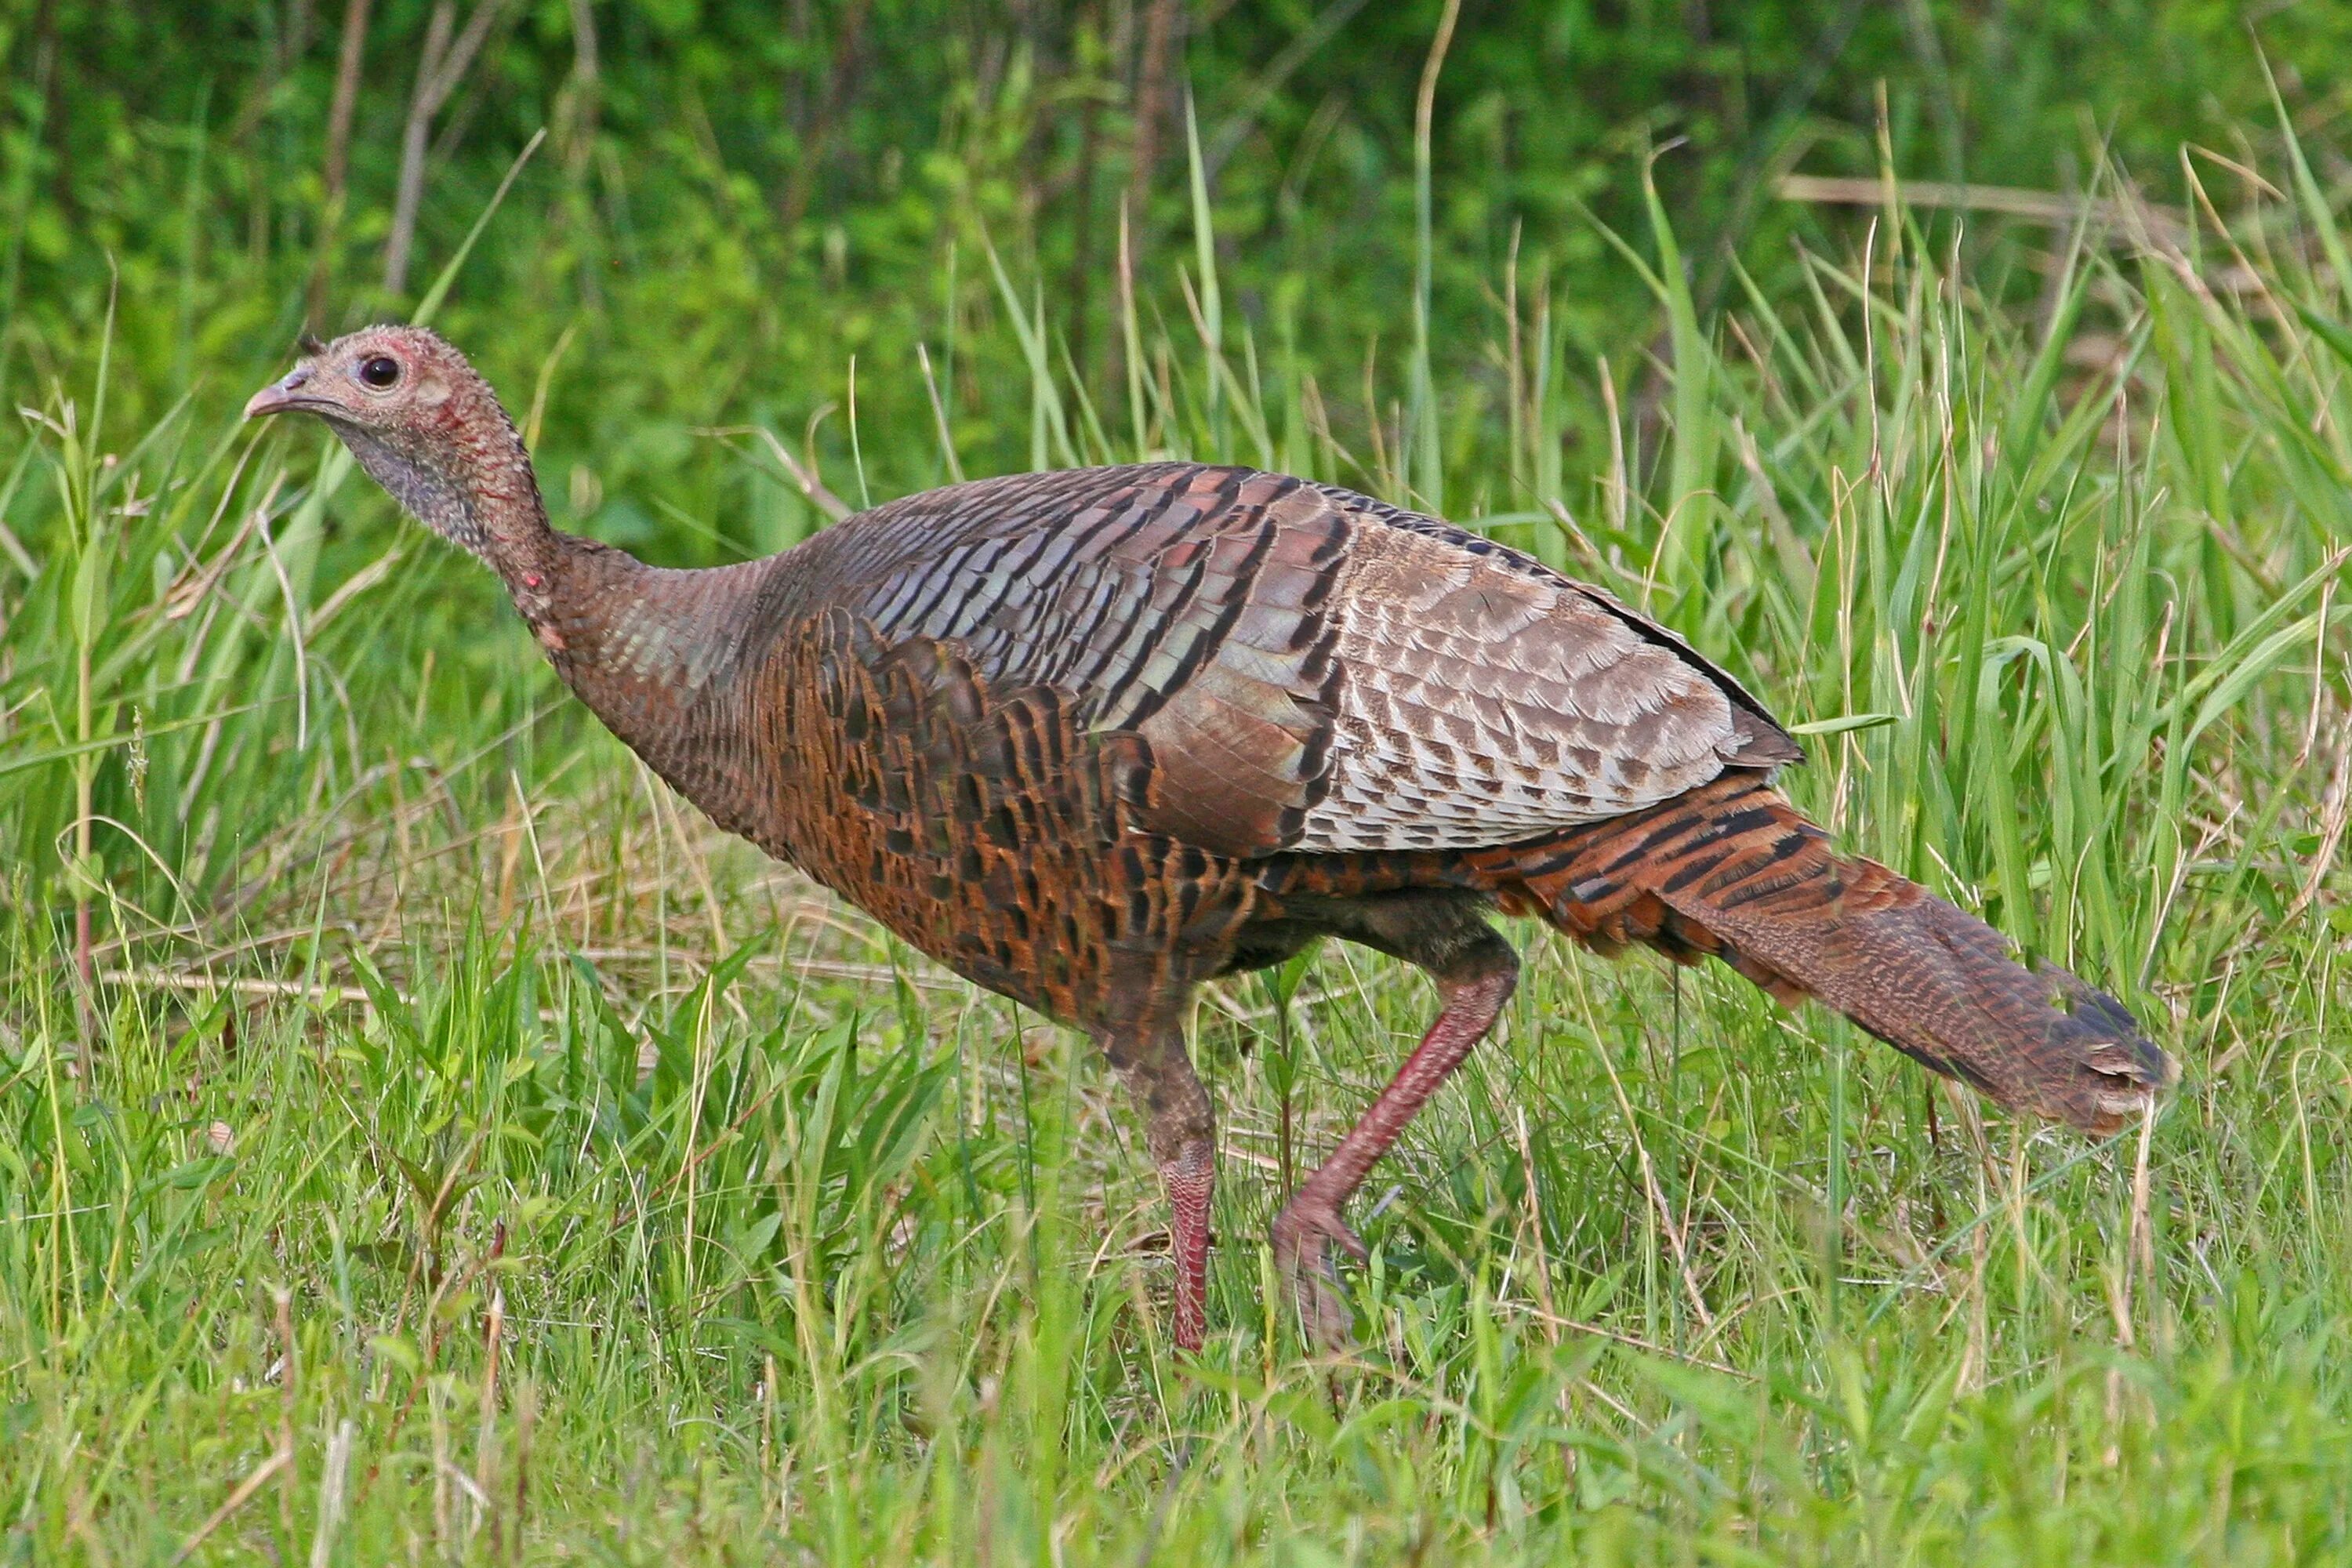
(1304, 1232)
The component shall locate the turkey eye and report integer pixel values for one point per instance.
(380, 371)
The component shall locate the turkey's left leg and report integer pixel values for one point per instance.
(1179, 1128)
(1475, 971)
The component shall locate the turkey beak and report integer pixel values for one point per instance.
(280, 395)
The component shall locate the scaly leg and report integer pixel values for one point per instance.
(1179, 1128)
(1304, 1232)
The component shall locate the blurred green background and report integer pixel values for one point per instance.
(737, 196)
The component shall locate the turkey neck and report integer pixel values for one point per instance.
(637, 644)
(651, 651)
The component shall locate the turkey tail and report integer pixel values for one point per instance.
(1731, 871)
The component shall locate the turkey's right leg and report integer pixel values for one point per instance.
(1180, 1128)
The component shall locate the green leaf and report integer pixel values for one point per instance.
(1845, 724)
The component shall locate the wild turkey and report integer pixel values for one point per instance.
(1094, 737)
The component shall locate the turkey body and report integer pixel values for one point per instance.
(1090, 737)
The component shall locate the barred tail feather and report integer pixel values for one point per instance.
(1732, 871)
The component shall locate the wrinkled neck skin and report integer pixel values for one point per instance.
(487, 505)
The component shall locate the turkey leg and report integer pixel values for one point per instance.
(1307, 1228)
(1180, 1128)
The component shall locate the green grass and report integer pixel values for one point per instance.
(464, 1154)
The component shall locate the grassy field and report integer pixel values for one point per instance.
(422, 1139)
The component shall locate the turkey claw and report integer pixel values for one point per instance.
(1303, 1236)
